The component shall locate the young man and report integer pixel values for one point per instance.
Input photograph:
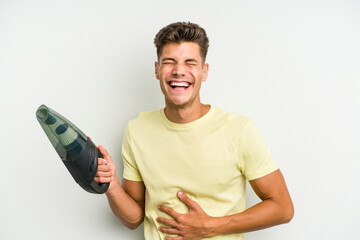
(185, 166)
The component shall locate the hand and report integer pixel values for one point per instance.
(106, 171)
(195, 224)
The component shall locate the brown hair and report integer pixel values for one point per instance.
(182, 32)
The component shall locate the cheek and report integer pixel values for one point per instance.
(164, 73)
(198, 76)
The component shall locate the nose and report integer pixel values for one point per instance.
(178, 70)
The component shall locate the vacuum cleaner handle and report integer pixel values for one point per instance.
(96, 187)
(92, 153)
(103, 186)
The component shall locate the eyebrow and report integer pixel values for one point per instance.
(171, 59)
(191, 60)
(167, 59)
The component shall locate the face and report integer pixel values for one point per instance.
(180, 71)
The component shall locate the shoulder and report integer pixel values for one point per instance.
(231, 119)
(145, 120)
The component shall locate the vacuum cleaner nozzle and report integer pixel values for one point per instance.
(76, 150)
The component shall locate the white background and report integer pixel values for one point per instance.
(292, 66)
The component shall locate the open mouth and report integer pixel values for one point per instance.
(179, 84)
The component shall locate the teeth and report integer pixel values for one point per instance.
(179, 84)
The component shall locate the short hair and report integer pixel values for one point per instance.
(182, 32)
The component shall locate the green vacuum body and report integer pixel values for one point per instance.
(76, 150)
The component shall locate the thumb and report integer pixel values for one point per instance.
(105, 153)
(185, 199)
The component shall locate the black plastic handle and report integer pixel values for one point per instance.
(92, 154)
(99, 187)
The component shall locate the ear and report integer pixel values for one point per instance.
(157, 75)
(205, 72)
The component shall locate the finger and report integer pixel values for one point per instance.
(104, 168)
(103, 174)
(103, 179)
(104, 152)
(185, 199)
(173, 231)
(167, 222)
(102, 161)
(169, 211)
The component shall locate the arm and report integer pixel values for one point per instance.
(127, 201)
(275, 208)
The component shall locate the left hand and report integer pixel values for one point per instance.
(195, 224)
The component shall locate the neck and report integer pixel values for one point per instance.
(185, 114)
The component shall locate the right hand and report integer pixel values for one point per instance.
(106, 172)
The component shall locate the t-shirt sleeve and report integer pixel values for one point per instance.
(255, 158)
(131, 171)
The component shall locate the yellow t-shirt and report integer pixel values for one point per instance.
(209, 159)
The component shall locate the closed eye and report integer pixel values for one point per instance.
(168, 61)
(191, 62)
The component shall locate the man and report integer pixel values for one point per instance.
(185, 166)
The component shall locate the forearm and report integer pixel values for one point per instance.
(262, 215)
(124, 206)
(275, 208)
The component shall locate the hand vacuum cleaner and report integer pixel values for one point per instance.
(76, 150)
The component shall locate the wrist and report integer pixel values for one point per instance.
(114, 186)
(211, 226)
(215, 226)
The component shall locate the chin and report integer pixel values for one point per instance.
(180, 104)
